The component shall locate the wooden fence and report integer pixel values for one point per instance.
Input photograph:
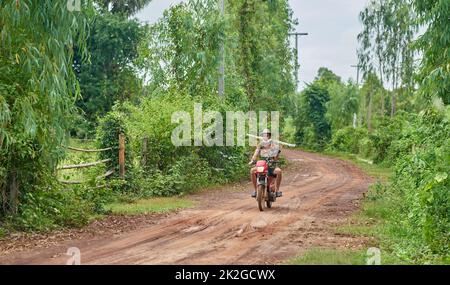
(95, 163)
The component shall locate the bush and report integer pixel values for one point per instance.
(422, 179)
(348, 139)
(388, 132)
(108, 131)
(46, 209)
(187, 174)
(168, 169)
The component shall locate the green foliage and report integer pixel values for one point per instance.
(122, 7)
(343, 104)
(321, 256)
(108, 131)
(264, 59)
(258, 58)
(417, 195)
(434, 44)
(171, 170)
(49, 208)
(421, 177)
(385, 44)
(313, 130)
(188, 173)
(37, 89)
(112, 73)
(288, 131)
(349, 140)
(372, 99)
(187, 40)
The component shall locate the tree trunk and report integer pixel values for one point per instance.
(11, 203)
(393, 97)
(369, 114)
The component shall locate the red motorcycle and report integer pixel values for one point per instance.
(265, 190)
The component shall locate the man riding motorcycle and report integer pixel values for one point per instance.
(267, 149)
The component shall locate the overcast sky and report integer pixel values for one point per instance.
(332, 26)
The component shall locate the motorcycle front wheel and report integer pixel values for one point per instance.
(269, 201)
(260, 197)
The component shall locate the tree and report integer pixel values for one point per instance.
(312, 127)
(184, 45)
(112, 73)
(386, 44)
(37, 90)
(265, 62)
(434, 44)
(371, 88)
(343, 104)
(183, 49)
(123, 7)
(326, 77)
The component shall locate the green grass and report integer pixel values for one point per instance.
(324, 256)
(2, 233)
(379, 171)
(147, 206)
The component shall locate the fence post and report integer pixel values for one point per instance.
(122, 156)
(144, 151)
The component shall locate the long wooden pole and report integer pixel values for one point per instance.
(83, 165)
(276, 141)
(87, 150)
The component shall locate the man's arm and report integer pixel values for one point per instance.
(278, 152)
(256, 153)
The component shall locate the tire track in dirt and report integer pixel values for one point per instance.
(227, 228)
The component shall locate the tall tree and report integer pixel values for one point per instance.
(434, 44)
(343, 104)
(37, 89)
(369, 91)
(184, 47)
(112, 74)
(312, 127)
(385, 44)
(124, 7)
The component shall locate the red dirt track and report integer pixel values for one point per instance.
(226, 226)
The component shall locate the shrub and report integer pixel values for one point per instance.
(51, 207)
(422, 179)
(348, 139)
(107, 136)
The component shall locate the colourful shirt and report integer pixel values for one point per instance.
(268, 149)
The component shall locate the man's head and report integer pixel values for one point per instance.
(266, 134)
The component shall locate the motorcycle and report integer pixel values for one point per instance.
(265, 183)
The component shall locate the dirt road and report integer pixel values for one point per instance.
(226, 226)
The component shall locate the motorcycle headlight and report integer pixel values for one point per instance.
(260, 169)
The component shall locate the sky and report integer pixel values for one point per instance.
(332, 27)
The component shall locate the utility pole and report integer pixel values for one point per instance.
(222, 55)
(357, 73)
(297, 65)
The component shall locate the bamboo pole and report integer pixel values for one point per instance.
(83, 165)
(88, 150)
(279, 142)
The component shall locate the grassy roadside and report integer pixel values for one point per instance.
(377, 171)
(370, 221)
(151, 205)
